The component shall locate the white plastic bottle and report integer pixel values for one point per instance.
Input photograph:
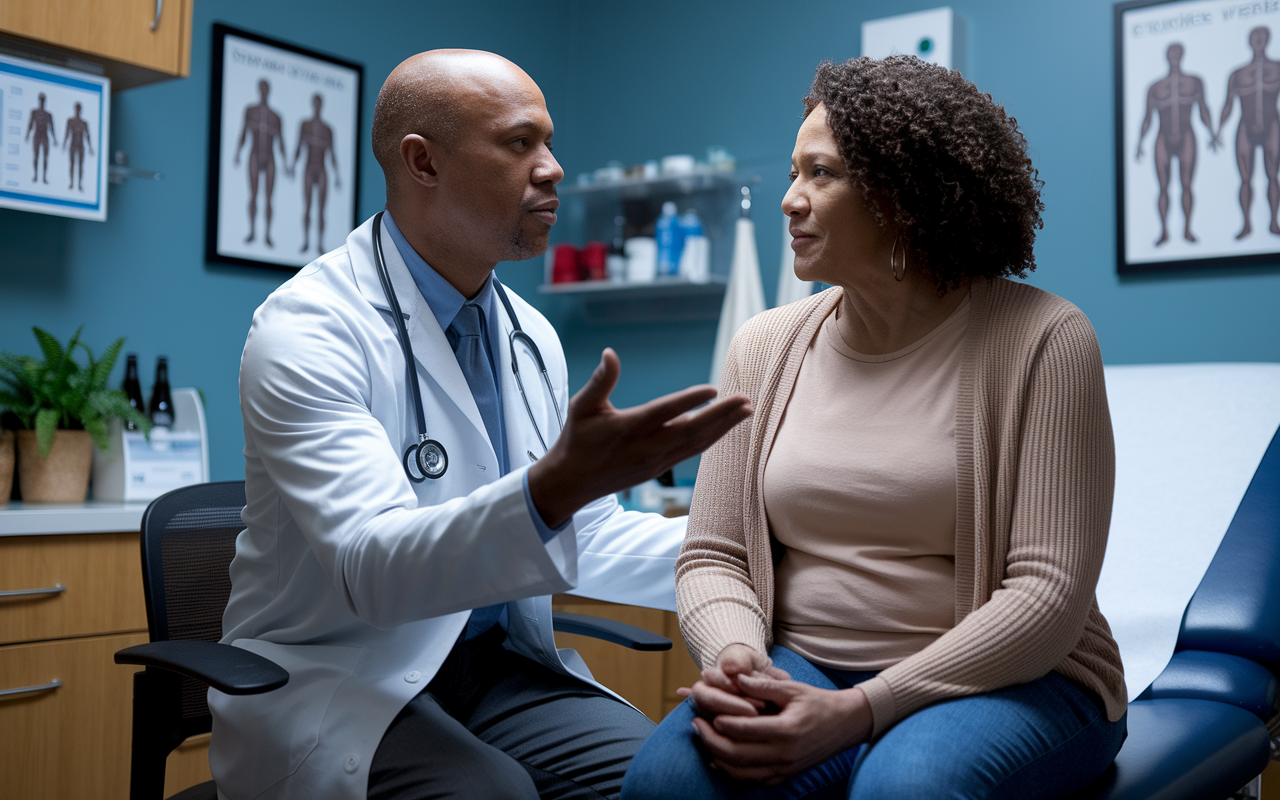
(695, 255)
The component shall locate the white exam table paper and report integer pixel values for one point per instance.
(1188, 439)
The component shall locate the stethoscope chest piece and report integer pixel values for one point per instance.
(431, 458)
(428, 454)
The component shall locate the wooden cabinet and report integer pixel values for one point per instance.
(72, 740)
(647, 680)
(118, 32)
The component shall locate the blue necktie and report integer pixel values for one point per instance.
(467, 337)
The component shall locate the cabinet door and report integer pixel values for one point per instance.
(72, 741)
(102, 576)
(115, 29)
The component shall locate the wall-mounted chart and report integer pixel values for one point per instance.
(53, 139)
(1198, 134)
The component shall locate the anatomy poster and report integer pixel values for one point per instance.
(1198, 144)
(53, 139)
(283, 168)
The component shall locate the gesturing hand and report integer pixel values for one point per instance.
(811, 726)
(603, 449)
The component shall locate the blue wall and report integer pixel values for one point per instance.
(627, 82)
(667, 77)
(142, 274)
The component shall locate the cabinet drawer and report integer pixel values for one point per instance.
(116, 29)
(72, 741)
(102, 576)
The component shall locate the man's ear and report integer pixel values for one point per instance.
(419, 156)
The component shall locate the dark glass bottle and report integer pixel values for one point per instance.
(133, 389)
(161, 406)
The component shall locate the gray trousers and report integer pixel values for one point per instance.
(493, 724)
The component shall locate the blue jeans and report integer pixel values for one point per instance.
(1043, 739)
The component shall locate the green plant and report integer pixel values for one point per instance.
(58, 392)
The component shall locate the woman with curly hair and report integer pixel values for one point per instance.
(888, 578)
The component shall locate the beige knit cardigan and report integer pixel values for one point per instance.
(1035, 467)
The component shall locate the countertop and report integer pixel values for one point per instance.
(30, 519)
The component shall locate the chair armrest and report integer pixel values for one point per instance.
(609, 630)
(228, 669)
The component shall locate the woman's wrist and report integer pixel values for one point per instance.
(855, 708)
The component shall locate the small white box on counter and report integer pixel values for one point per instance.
(134, 469)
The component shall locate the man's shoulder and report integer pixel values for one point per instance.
(325, 287)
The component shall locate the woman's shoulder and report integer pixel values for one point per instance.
(1015, 306)
(769, 335)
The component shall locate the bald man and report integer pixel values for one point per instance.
(401, 547)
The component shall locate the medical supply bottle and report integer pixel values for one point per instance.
(616, 262)
(695, 254)
(160, 408)
(132, 389)
(670, 239)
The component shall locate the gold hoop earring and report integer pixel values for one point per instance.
(893, 270)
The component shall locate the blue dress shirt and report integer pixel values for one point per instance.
(445, 302)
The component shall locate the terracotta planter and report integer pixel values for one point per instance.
(6, 465)
(63, 477)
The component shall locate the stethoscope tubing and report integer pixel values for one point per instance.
(426, 445)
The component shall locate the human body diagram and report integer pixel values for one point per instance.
(74, 141)
(1257, 84)
(40, 123)
(318, 138)
(264, 126)
(1174, 97)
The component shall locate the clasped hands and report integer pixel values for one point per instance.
(757, 724)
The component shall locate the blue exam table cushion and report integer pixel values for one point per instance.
(1236, 608)
(1204, 675)
(1181, 749)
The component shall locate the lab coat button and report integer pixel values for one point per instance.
(351, 763)
(413, 677)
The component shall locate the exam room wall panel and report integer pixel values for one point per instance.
(671, 77)
(142, 274)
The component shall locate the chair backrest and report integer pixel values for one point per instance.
(188, 541)
(1236, 608)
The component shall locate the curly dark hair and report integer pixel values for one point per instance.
(936, 157)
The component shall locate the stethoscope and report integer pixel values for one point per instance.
(430, 456)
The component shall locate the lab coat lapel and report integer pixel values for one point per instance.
(436, 361)
(523, 446)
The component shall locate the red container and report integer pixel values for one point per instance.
(565, 267)
(592, 261)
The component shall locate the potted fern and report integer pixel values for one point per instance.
(63, 408)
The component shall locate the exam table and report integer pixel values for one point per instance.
(1203, 729)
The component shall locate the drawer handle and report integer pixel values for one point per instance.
(48, 687)
(155, 23)
(57, 588)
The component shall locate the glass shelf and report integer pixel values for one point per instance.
(698, 181)
(659, 286)
(663, 299)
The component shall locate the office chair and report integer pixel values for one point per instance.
(188, 541)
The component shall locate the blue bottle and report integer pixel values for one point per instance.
(670, 238)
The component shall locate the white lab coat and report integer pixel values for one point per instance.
(359, 582)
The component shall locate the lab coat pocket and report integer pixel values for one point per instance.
(258, 740)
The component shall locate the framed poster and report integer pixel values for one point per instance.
(283, 151)
(1197, 134)
(53, 139)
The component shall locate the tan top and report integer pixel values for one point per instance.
(860, 487)
(1035, 470)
